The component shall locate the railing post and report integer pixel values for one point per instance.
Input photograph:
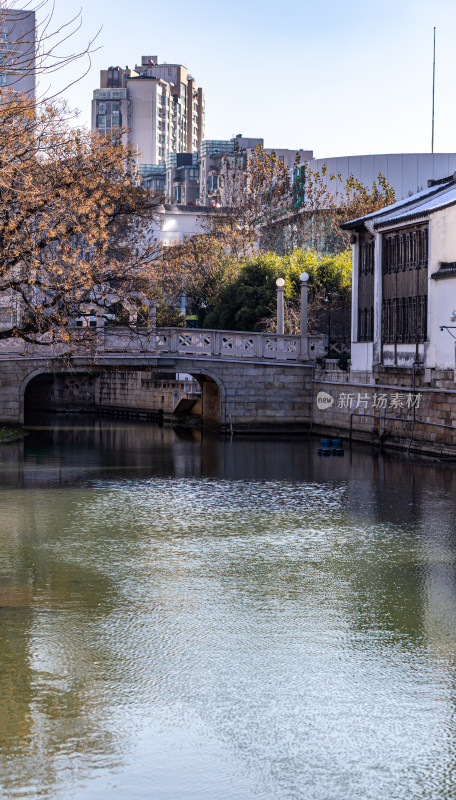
(303, 348)
(261, 344)
(216, 342)
(174, 341)
(150, 338)
(278, 339)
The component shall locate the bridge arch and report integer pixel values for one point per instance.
(213, 396)
(23, 388)
(52, 388)
(213, 390)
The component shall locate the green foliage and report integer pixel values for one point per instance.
(248, 300)
(169, 317)
(249, 297)
(8, 434)
(328, 273)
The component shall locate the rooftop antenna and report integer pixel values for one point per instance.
(433, 96)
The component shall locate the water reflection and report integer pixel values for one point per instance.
(186, 617)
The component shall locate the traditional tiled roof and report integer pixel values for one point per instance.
(418, 205)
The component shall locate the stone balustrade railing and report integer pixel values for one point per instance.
(233, 345)
(216, 344)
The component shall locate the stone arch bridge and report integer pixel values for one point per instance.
(249, 381)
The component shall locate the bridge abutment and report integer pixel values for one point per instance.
(268, 398)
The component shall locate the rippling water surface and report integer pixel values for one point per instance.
(194, 619)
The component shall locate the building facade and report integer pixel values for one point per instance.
(406, 173)
(404, 284)
(217, 156)
(17, 50)
(182, 179)
(159, 104)
(199, 178)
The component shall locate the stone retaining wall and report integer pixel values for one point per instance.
(145, 390)
(267, 398)
(422, 420)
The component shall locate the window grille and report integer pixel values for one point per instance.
(404, 320)
(365, 324)
(367, 258)
(413, 252)
(423, 248)
(405, 250)
(400, 253)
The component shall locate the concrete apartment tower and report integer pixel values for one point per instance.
(159, 104)
(17, 50)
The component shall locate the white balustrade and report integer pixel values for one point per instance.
(194, 343)
(215, 344)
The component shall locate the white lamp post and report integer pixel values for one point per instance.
(304, 278)
(280, 283)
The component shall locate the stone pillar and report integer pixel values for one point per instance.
(304, 317)
(280, 283)
(304, 278)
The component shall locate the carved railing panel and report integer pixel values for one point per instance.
(238, 345)
(162, 340)
(282, 347)
(195, 343)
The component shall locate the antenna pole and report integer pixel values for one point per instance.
(433, 96)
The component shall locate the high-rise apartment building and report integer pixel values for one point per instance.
(17, 50)
(159, 104)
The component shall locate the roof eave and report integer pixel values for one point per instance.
(353, 225)
(359, 223)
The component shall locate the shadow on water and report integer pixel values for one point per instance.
(72, 447)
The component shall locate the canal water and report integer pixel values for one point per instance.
(186, 618)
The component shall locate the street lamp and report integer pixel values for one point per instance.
(280, 283)
(304, 277)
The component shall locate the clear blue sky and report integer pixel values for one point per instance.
(340, 77)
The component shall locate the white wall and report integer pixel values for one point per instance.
(442, 293)
(407, 173)
(361, 357)
(173, 224)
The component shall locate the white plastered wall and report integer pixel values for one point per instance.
(442, 293)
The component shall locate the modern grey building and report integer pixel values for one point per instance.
(17, 50)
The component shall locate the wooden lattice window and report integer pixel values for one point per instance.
(366, 287)
(404, 320)
(367, 257)
(405, 285)
(406, 249)
(365, 324)
(423, 247)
